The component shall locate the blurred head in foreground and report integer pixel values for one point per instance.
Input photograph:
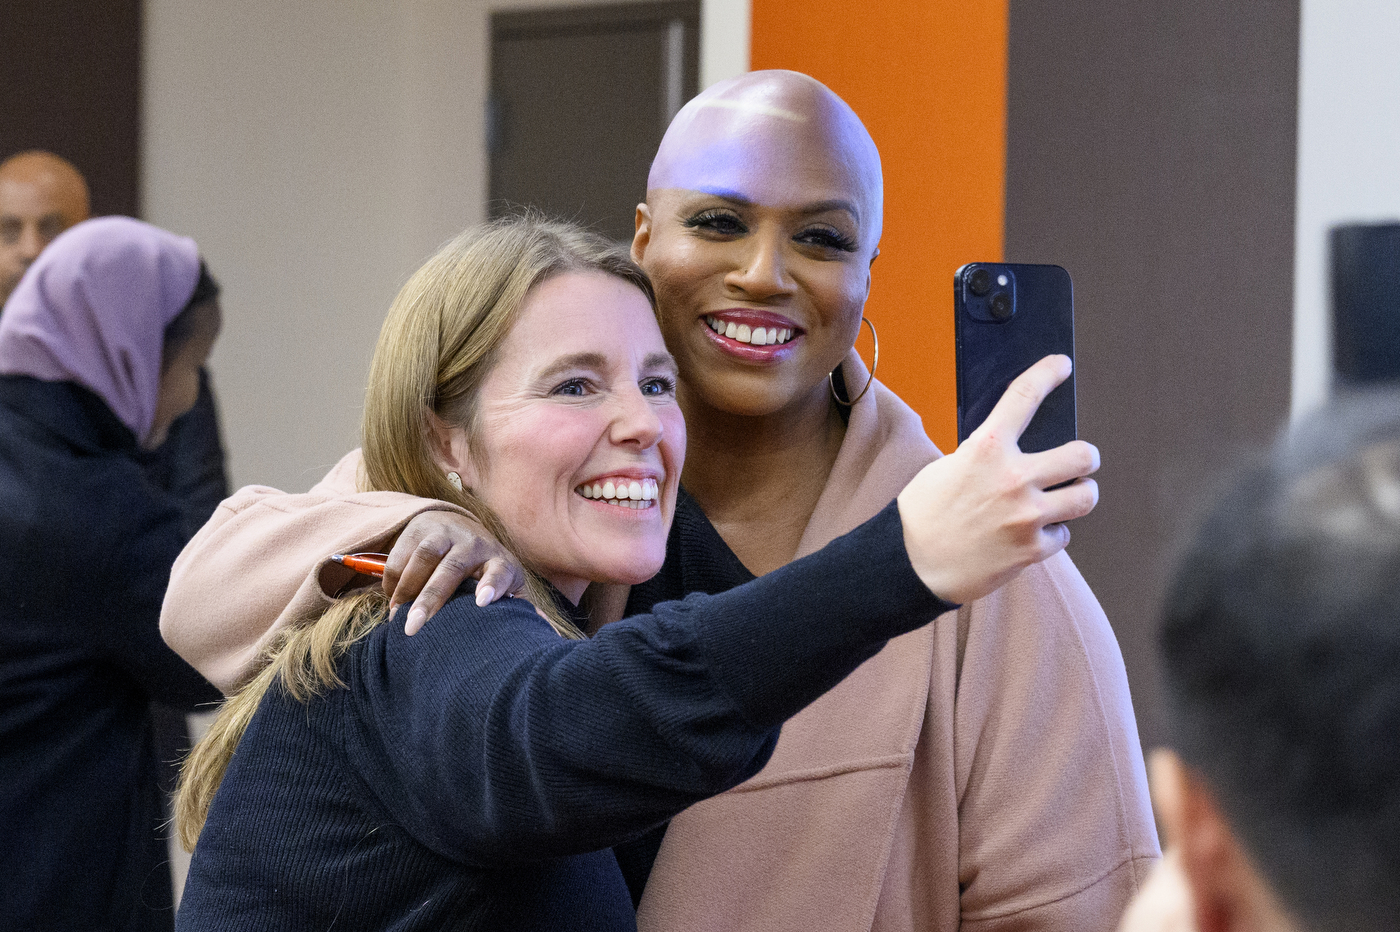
(41, 195)
(1281, 650)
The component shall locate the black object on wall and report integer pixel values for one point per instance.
(1366, 303)
(1151, 151)
(580, 98)
(70, 82)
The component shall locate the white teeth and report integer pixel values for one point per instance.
(633, 493)
(743, 333)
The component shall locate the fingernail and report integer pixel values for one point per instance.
(485, 595)
(416, 617)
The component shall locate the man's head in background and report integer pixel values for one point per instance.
(1281, 652)
(41, 195)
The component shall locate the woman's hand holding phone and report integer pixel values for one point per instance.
(978, 516)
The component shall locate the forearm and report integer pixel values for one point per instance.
(787, 637)
(575, 746)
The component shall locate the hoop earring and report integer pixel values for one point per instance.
(830, 381)
(456, 481)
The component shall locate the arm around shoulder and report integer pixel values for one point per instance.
(261, 562)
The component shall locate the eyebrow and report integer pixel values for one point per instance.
(816, 207)
(598, 361)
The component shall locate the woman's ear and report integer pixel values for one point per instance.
(642, 238)
(447, 443)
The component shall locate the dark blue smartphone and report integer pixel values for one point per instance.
(1006, 318)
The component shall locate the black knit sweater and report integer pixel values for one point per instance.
(86, 542)
(474, 775)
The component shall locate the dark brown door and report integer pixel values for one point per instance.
(579, 100)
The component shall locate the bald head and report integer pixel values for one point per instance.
(41, 195)
(744, 136)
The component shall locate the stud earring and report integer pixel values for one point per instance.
(456, 481)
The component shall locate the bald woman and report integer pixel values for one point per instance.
(983, 772)
(41, 195)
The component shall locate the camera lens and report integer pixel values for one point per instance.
(1001, 305)
(979, 282)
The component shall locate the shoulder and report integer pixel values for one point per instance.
(1044, 623)
(463, 632)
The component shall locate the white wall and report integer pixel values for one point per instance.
(724, 39)
(1348, 159)
(318, 151)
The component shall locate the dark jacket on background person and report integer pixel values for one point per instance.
(190, 464)
(87, 542)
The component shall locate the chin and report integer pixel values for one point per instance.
(631, 572)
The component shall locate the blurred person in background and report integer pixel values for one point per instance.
(101, 346)
(41, 195)
(981, 771)
(1280, 793)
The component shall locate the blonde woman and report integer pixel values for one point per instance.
(474, 775)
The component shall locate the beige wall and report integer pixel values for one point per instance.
(318, 151)
(1348, 144)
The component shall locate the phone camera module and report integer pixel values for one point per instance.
(979, 282)
(986, 291)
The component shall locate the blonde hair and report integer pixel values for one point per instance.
(438, 343)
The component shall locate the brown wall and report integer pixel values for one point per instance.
(1151, 151)
(70, 82)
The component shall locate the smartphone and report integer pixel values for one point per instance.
(1007, 317)
(1366, 303)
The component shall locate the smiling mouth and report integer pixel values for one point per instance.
(621, 492)
(754, 336)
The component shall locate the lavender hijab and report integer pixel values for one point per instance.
(93, 309)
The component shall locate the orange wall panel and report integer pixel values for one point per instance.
(928, 77)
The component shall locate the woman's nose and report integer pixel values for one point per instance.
(636, 421)
(761, 271)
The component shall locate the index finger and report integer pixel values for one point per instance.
(1022, 398)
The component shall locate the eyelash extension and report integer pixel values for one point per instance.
(710, 216)
(838, 240)
(666, 382)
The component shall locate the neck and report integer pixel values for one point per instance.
(569, 587)
(758, 478)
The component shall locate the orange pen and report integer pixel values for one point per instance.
(370, 564)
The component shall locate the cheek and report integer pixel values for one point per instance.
(841, 296)
(675, 270)
(544, 450)
(673, 425)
